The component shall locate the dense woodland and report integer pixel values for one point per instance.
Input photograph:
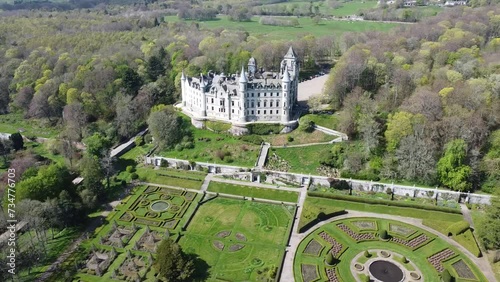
(420, 103)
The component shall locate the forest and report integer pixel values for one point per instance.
(420, 103)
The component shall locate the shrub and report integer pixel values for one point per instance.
(365, 278)
(130, 169)
(458, 228)
(306, 125)
(254, 139)
(367, 254)
(264, 129)
(383, 234)
(382, 202)
(134, 176)
(188, 145)
(179, 147)
(446, 276)
(404, 259)
(329, 260)
(148, 138)
(163, 163)
(289, 139)
(219, 154)
(139, 141)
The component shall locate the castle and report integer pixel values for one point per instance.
(254, 96)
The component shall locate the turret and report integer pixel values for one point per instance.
(203, 111)
(241, 94)
(183, 89)
(285, 81)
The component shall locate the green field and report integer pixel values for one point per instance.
(14, 122)
(350, 249)
(325, 28)
(255, 192)
(302, 159)
(240, 240)
(172, 177)
(325, 120)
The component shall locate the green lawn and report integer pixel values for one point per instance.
(172, 177)
(313, 207)
(299, 137)
(352, 8)
(302, 159)
(62, 239)
(239, 240)
(325, 28)
(15, 122)
(384, 209)
(351, 248)
(256, 192)
(325, 120)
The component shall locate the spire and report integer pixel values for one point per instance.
(243, 78)
(183, 77)
(286, 76)
(290, 54)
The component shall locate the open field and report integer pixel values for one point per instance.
(364, 235)
(325, 28)
(255, 192)
(302, 159)
(240, 240)
(14, 122)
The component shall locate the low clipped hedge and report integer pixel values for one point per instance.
(264, 129)
(458, 227)
(383, 202)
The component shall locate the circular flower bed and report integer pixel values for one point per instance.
(165, 197)
(144, 203)
(159, 206)
(415, 276)
(359, 267)
(151, 214)
(385, 254)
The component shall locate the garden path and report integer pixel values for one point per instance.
(481, 262)
(255, 184)
(466, 213)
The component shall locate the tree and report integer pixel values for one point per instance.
(154, 68)
(166, 127)
(48, 183)
(416, 159)
(489, 227)
(75, 120)
(172, 263)
(17, 141)
(97, 144)
(451, 168)
(92, 174)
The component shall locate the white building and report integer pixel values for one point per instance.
(244, 98)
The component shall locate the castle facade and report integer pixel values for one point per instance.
(252, 96)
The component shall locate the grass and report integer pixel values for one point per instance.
(299, 137)
(264, 226)
(42, 150)
(54, 247)
(15, 122)
(172, 177)
(399, 211)
(307, 26)
(325, 120)
(303, 159)
(418, 256)
(255, 192)
(313, 207)
(209, 146)
(468, 241)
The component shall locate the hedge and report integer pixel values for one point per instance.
(264, 129)
(457, 228)
(383, 202)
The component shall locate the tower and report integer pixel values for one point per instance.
(242, 90)
(252, 66)
(203, 97)
(285, 81)
(291, 62)
(183, 89)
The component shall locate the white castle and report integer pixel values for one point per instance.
(254, 96)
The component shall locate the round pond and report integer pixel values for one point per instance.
(159, 206)
(386, 271)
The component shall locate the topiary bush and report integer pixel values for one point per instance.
(446, 276)
(383, 234)
(367, 254)
(457, 228)
(329, 260)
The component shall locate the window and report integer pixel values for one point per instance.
(212, 108)
(212, 100)
(252, 112)
(258, 104)
(277, 112)
(252, 94)
(265, 104)
(232, 103)
(258, 112)
(277, 94)
(265, 94)
(271, 104)
(277, 103)
(232, 111)
(253, 105)
(264, 111)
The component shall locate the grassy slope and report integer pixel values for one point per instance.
(306, 26)
(313, 207)
(303, 159)
(325, 120)
(255, 192)
(14, 122)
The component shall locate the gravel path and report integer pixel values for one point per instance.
(311, 87)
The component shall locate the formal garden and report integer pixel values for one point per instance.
(240, 240)
(357, 249)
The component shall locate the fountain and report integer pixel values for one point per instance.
(386, 271)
